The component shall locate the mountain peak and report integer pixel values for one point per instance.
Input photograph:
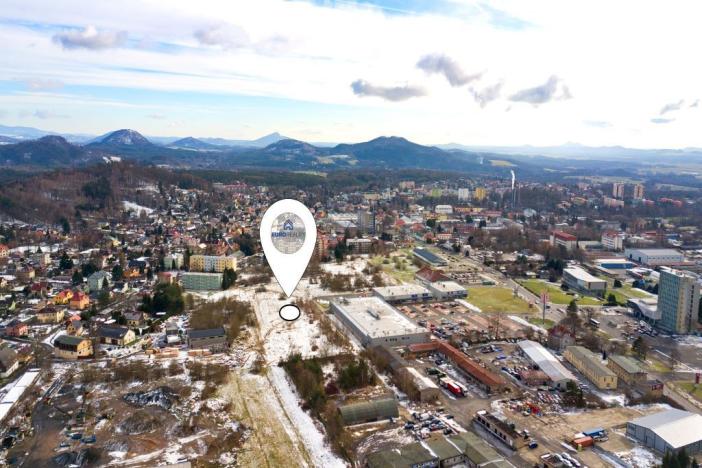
(126, 137)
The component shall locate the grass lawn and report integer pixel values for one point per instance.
(657, 365)
(403, 270)
(547, 324)
(691, 388)
(625, 292)
(495, 299)
(557, 295)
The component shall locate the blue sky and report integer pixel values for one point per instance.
(506, 72)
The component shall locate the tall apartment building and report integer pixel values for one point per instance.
(613, 240)
(678, 300)
(201, 281)
(173, 261)
(480, 193)
(212, 263)
(638, 191)
(618, 190)
(463, 194)
(366, 221)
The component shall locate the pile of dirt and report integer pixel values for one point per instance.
(139, 422)
(163, 397)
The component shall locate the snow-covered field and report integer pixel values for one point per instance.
(640, 457)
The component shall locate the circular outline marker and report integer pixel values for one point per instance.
(290, 315)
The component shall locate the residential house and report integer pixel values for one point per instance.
(116, 336)
(64, 297)
(16, 328)
(135, 319)
(73, 347)
(4, 251)
(99, 280)
(9, 362)
(80, 301)
(50, 314)
(76, 327)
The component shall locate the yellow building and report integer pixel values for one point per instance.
(73, 347)
(50, 315)
(590, 365)
(212, 263)
(626, 369)
(64, 297)
(479, 193)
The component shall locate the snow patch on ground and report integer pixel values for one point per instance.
(313, 438)
(640, 457)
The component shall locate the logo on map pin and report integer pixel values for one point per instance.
(288, 236)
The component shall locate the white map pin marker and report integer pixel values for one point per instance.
(288, 236)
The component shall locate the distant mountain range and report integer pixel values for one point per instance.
(569, 151)
(284, 154)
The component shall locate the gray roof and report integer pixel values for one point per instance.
(355, 413)
(546, 361)
(207, 333)
(678, 428)
(628, 364)
(113, 332)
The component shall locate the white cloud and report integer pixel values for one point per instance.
(90, 38)
(317, 51)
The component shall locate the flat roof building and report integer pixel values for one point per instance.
(591, 367)
(668, 431)
(446, 290)
(375, 322)
(429, 258)
(655, 257)
(557, 374)
(403, 293)
(580, 280)
(678, 301)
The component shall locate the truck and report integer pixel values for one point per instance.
(452, 386)
(595, 433)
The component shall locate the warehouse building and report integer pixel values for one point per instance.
(557, 374)
(403, 293)
(655, 257)
(668, 431)
(580, 280)
(428, 258)
(590, 365)
(375, 322)
(464, 449)
(421, 387)
(369, 411)
(627, 369)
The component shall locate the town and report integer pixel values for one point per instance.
(446, 321)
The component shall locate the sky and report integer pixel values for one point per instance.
(508, 72)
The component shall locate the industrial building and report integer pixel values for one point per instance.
(447, 290)
(214, 339)
(375, 322)
(627, 369)
(464, 449)
(421, 387)
(557, 374)
(428, 258)
(580, 280)
(403, 293)
(655, 257)
(590, 365)
(678, 301)
(499, 427)
(668, 431)
(368, 411)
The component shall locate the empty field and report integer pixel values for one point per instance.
(496, 299)
(557, 295)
